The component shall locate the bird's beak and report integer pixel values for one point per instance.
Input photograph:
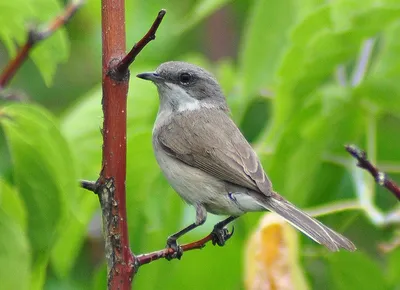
(151, 76)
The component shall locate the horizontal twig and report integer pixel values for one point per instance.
(153, 256)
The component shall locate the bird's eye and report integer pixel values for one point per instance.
(185, 78)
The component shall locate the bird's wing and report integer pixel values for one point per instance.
(218, 148)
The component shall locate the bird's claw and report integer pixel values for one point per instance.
(177, 250)
(221, 235)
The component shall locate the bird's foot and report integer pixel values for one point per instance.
(221, 235)
(177, 249)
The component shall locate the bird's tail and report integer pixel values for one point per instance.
(305, 223)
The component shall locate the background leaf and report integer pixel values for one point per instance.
(43, 174)
(48, 54)
(14, 247)
(346, 267)
(264, 43)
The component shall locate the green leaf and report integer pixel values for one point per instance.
(14, 24)
(382, 93)
(355, 271)
(317, 48)
(264, 42)
(43, 172)
(227, 77)
(67, 248)
(387, 63)
(142, 171)
(54, 50)
(394, 263)
(299, 153)
(39, 273)
(12, 205)
(200, 11)
(99, 280)
(85, 140)
(14, 246)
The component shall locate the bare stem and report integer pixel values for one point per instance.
(381, 178)
(110, 187)
(34, 36)
(153, 256)
(124, 63)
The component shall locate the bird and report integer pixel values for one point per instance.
(208, 161)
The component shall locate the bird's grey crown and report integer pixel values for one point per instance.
(202, 86)
(171, 70)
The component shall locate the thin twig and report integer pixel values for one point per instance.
(380, 177)
(89, 185)
(34, 36)
(124, 63)
(153, 256)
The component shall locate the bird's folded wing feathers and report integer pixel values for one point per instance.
(218, 148)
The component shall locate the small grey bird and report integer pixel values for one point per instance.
(209, 163)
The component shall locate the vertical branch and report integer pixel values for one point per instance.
(111, 182)
(110, 187)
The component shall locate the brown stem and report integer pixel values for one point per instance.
(124, 63)
(34, 36)
(380, 177)
(111, 183)
(153, 256)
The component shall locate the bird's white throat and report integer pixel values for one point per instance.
(177, 95)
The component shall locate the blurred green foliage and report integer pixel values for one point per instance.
(293, 88)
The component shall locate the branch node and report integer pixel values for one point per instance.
(380, 177)
(115, 74)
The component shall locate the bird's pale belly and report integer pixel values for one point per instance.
(197, 187)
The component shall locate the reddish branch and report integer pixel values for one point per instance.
(380, 177)
(150, 257)
(124, 63)
(111, 184)
(34, 36)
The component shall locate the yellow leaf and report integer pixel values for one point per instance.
(271, 257)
